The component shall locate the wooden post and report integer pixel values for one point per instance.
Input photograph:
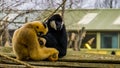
(81, 35)
(72, 40)
(5, 37)
(26, 19)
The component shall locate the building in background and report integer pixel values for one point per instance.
(101, 24)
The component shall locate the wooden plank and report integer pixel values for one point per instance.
(76, 56)
(72, 59)
(11, 66)
(63, 64)
(73, 64)
(21, 66)
(92, 58)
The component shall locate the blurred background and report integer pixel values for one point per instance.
(99, 18)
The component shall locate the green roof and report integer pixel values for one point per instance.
(103, 19)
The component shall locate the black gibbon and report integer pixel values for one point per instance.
(56, 36)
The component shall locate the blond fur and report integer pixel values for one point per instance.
(26, 45)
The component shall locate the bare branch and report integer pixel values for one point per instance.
(54, 11)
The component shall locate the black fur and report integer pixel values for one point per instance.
(57, 38)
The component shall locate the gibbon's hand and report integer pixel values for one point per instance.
(42, 41)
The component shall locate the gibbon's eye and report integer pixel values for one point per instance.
(37, 27)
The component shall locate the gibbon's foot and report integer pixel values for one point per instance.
(53, 57)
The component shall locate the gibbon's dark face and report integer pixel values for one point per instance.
(56, 22)
(56, 25)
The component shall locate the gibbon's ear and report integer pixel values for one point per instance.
(53, 25)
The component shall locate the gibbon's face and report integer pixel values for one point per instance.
(56, 22)
(40, 28)
(56, 25)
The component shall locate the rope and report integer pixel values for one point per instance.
(17, 61)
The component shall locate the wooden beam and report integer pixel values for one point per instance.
(72, 59)
(21, 66)
(61, 64)
(76, 56)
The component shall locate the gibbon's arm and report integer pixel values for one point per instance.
(63, 43)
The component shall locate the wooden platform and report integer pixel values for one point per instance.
(71, 60)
